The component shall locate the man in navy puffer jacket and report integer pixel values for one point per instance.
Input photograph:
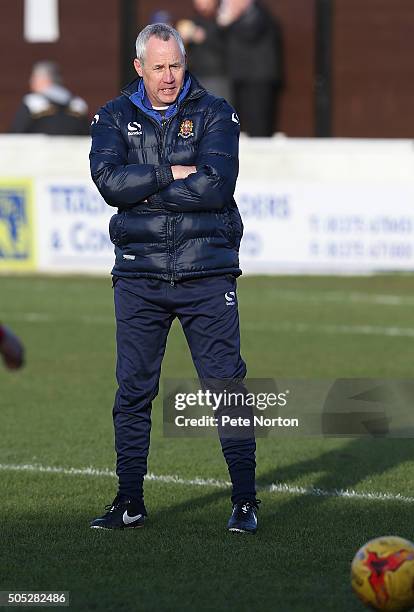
(165, 153)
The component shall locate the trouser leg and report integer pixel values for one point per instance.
(143, 324)
(210, 320)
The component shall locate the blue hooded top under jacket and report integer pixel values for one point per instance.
(164, 228)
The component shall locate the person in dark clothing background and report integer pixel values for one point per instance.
(50, 108)
(205, 43)
(11, 349)
(254, 62)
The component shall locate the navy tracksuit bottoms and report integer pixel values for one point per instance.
(145, 309)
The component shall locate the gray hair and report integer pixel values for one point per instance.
(162, 31)
(49, 69)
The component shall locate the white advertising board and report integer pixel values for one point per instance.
(308, 206)
(326, 227)
(72, 227)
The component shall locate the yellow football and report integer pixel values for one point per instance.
(382, 573)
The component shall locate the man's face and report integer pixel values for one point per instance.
(163, 70)
(39, 82)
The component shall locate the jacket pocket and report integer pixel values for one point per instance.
(224, 220)
(116, 228)
(236, 225)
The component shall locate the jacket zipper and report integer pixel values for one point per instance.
(162, 131)
(170, 219)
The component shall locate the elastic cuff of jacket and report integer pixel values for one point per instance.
(164, 176)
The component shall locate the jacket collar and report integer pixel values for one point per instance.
(136, 93)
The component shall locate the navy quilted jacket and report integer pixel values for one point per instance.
(164, 228)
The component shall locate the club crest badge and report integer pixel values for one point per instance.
(186, 128)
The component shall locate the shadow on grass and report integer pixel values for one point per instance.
(314, 537)
(344, 468)
(184, 559)
(339, 469)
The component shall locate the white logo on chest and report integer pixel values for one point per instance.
(134, 128)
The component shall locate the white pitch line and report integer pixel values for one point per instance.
(299, 327)
(347, 493)
(281, 488)
(44, 317)
(343, 297)
(359, 330)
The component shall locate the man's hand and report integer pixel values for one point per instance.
(190, 32)
(181, 172)
(231, 11)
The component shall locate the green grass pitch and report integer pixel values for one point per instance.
(57, 413)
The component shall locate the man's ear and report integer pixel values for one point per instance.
(138, 67)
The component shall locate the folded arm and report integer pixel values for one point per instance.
(121, 184)
(212, 186)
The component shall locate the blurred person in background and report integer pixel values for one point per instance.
(50, 108)
(254, 62)
(11, 349)
(205, 43)
(161, 16)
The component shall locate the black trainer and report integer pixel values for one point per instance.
(123, 513)
(244, 517)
